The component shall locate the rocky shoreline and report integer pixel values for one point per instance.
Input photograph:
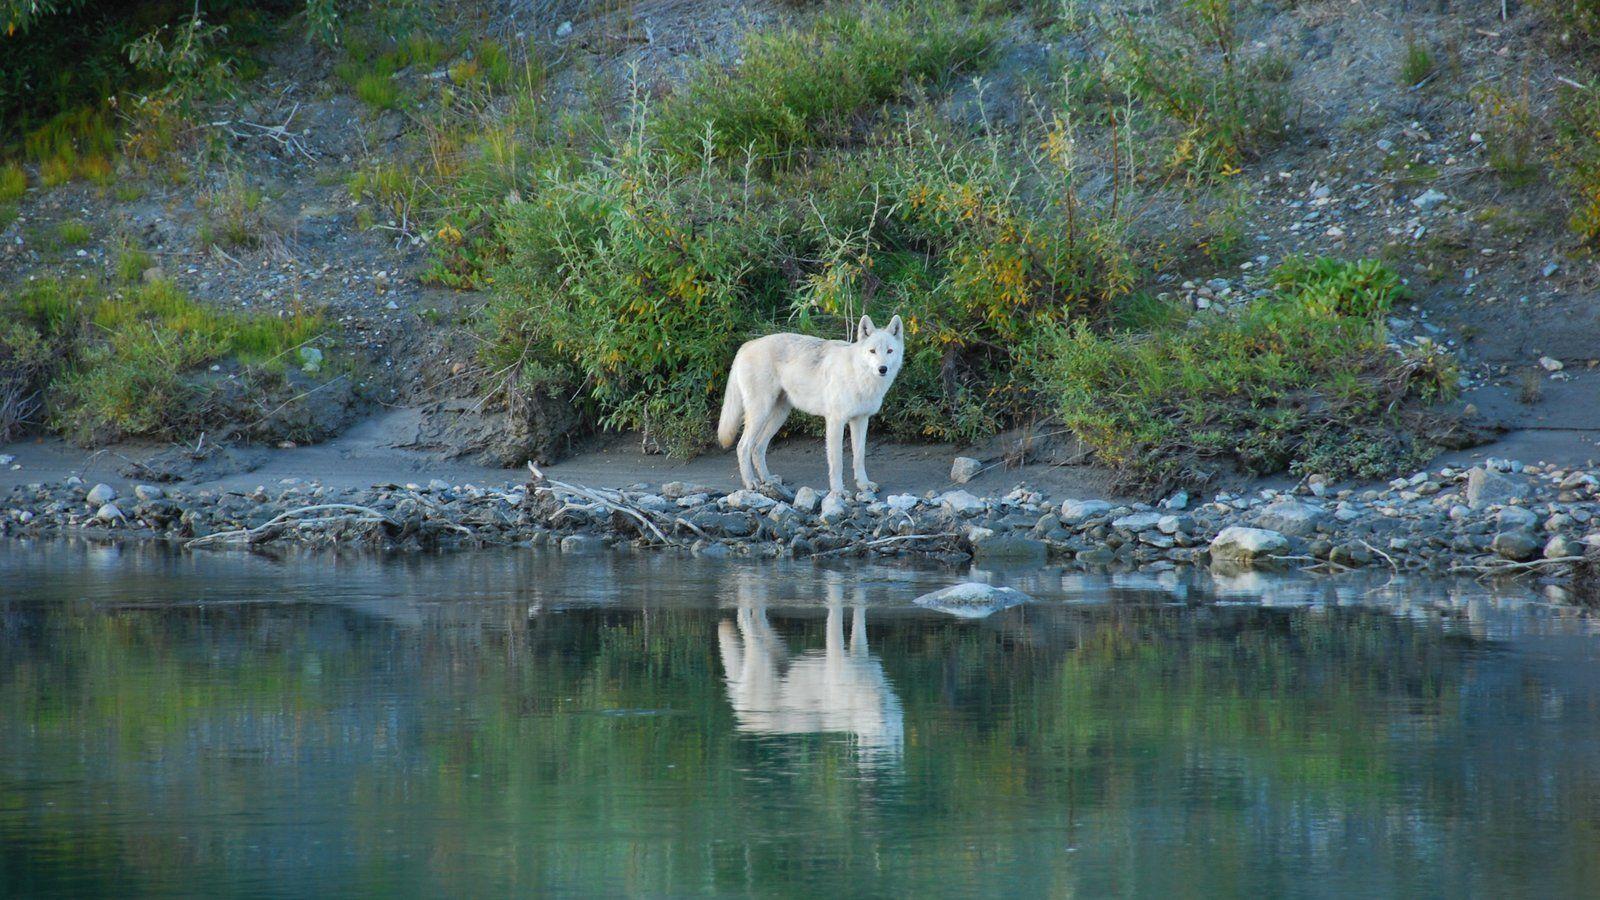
(1500, 518)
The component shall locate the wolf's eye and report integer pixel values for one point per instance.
(891, 352)
(873, 352)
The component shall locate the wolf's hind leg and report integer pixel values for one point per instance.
(769, 430)
(835, 434)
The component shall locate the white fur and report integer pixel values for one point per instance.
(843, 382)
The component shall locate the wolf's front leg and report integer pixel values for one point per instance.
(858, 453)
(835, 432)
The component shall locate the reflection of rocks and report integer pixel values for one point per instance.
(841, 688)
(972, 600)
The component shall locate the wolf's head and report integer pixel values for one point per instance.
(881, 350)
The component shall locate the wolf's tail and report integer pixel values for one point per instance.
(732, 412)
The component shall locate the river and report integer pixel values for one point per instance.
(494, 722)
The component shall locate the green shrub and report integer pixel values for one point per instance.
(378, 91)
(133, 364)
(231, 215)
(1417, 64)
(799, 86)
(13, 183)
(631, 283)
(1300, 381)
(1226, 107)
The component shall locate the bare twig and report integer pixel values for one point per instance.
(359, 514)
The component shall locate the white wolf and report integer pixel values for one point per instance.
(841, 381)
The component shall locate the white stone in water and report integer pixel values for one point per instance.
(964, 469)
(100, 495)
(1237, 542)
(972, 600)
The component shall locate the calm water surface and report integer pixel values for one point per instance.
(487, 723)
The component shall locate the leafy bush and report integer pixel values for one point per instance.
(632, 282)
(1227, 107)
(1301, 380)
(109, 366)
(796, 86)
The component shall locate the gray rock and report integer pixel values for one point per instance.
(1487, 488)
(1136, 522)
(1514, 517)
(901, 502)
(1291, 516)
(1175, 524)
(148, 492)
(438, 485)
(1562, 546)
(310, 360)
(1009, 547)
(100, 494)
(961, 503)
(972, 600)
(1519, 545)
(964, 469)
(108, 512)
(1074, 512)
(1241, 544)
(750, 500)
(1429, 199)
(582, 544)
(807, 499)
(732, 524)
(1179, 500)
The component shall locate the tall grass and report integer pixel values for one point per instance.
(800, 86)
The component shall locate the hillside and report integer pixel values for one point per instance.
(1171, 243)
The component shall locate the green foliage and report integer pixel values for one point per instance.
(798, 87)
(1417, 64)
(1578, 21)
(378, 91)
(1226, 108)
(1510, 130)
(231, 215)
(638, 281)
(1577, 157)
(1300, 381)
(72, 232)
(13, 183)
(132, 363)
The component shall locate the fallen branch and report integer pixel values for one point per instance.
(358, 514)
(880, 542)
(551, 486)
(1489, 569)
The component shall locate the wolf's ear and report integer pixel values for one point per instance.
(866, 327)
(896, 330)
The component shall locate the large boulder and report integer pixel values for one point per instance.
(961, 503)
(964, 469)
(1488, 488)
(1238, 543)
(972, 600)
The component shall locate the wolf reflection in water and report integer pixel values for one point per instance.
(839, 689)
